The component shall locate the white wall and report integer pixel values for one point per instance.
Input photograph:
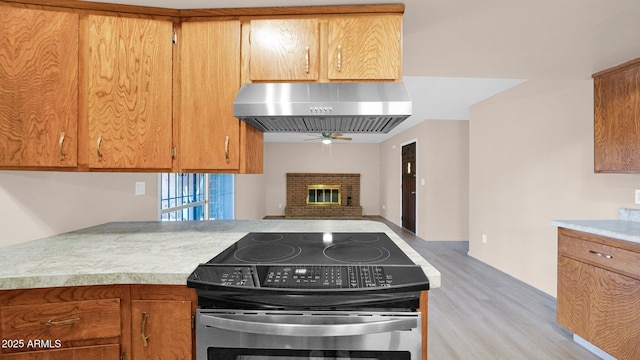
(249, 197)
(443, 163)
(40, 204)
(531, 161)
(314, 157)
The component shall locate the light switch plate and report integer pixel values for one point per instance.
(637, 196)
(140, 187)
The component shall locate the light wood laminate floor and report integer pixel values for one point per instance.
(483, 313)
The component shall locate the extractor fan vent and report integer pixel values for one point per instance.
(283, 124)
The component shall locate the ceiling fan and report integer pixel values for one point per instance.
(327, 137)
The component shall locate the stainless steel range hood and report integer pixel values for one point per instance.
(323, 107)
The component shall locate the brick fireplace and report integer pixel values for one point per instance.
(323, 195)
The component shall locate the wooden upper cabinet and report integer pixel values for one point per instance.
(365, 47)
(38, 88)
(285, 49)
(330, 48)
(210, 79)
(617, 119)
(127, 65)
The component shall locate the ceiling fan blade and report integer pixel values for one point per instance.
(335, 135)
(341, 138)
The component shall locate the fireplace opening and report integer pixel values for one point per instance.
(323, 195)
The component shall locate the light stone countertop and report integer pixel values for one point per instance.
(153, 252)
(626, 227)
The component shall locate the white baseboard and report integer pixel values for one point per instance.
(594, 349)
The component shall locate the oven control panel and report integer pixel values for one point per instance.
(330, 276)
(316, 277)
(224, 275)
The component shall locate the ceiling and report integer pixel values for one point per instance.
(459, 52)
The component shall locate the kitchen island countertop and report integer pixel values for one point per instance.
(153, 252)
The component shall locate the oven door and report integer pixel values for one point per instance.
(318, 335)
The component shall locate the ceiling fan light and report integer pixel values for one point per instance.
(326, 141)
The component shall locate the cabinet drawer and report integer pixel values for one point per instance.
(63, 321)
(101, 352)
(604, 256)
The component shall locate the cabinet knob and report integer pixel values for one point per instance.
(226, 148)
(339, 63)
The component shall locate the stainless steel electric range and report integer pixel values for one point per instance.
(309, 296)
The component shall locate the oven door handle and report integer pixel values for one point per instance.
(319, 330)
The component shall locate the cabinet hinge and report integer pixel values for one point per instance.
(173, 152)
(123, 356)
(174, 38)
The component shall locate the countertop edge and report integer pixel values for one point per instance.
(617, 229)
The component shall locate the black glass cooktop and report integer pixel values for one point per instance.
(310, 270)
(314, 249)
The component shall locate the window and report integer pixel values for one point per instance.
(186, 197)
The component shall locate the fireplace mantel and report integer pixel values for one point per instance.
(299, 185)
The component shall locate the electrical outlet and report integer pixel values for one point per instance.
(637, 196)
(484, 238)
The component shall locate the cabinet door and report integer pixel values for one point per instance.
(600, 306)
(365, 48)
(284, 49)
(573, 295)
(210, 79)
(38, 88)
(102, 352)
(161, 329)
(617, 120)
(128, 74)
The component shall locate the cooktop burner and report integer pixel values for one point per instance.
(313, 249)
(266, 253)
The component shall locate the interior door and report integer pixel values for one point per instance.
(409, 187)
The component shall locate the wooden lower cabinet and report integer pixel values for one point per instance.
(161, 322)
(98, 322)
(101, 352)
(161, 329)
(597, 298)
